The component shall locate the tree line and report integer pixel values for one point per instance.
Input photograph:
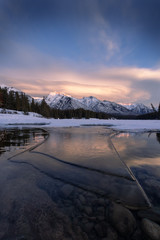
(153, 115)
(14, 100)
(20, 102)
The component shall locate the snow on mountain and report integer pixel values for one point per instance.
(9, 89)
(92, 103)
(38, 99)
(138, 108)
(108, 107)
(115, 108)
(63, 102)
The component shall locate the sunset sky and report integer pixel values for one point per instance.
(109, 49)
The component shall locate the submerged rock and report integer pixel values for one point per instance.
(111, 234)
(82, 199)
(88, 210)
(66, 190)
(152, 214)
(151, 229)
(99, 230)
(121, 219)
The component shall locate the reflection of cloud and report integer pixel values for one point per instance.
(122, 135)
(145, 161)
(138, 150)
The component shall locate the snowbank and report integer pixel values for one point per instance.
(8, 111)
(33, 119)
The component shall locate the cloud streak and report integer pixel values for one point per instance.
(90, 47)
(115, 84)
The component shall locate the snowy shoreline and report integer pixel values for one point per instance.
(34, 120)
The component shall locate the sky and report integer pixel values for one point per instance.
(107, 49)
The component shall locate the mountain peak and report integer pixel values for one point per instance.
(9, 88)
(62, 101)
(138, 108)
(58, 93)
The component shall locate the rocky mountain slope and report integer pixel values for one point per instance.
(65, 102)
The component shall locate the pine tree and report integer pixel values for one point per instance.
(159, 109)
(4, 97)
(24, 103)
(1, 98)
(153, 108)
(44, 109)
(11, 103)
(18, 105)
(156, 112)
(33, 108)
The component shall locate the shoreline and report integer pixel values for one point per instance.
(31, 121)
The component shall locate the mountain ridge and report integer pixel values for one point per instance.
(63, 101)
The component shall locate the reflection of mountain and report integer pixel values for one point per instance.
(158, 136)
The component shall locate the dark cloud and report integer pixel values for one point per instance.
(134, 16)
(43, 10)
(143, 15)
(37, 21)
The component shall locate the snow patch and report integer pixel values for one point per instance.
(36, 119)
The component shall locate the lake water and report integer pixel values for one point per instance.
(93, 157)
(71, 177)
(141, 152)
(19, 139)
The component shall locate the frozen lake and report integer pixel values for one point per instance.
(141, 153)
(69, 166)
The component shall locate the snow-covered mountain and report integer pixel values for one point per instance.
(116, 108)
(96, 105)
(64, 102)
(138, 108)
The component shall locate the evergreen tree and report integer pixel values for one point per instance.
(1, 98)
(18, 105)
(33, 107)
(156, 112)
(159, 109)
(11, 103)
(54, 113)
(4, 97)
(153, 108)
(44, 109)
(24, 103)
